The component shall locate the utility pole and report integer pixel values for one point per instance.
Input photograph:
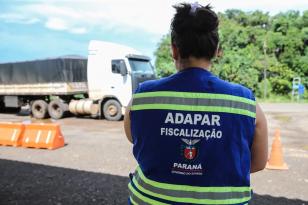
(265, 67)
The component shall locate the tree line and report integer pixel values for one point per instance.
(258, 50)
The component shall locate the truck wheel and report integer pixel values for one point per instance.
(2, 106)
(112, 110)
(39, 109)
(57, 109)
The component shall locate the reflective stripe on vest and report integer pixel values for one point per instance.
(188, 101)
(187, 194)
(136, 198)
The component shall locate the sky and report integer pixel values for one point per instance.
(35, 29)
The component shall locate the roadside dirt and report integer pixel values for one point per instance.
(93, 166)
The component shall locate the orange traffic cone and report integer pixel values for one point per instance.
(276, 159)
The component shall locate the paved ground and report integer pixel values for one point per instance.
(86, 170)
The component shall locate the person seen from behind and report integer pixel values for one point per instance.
(196, 137)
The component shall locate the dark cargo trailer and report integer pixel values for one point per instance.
(35, 82)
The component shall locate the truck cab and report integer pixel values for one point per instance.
(114, 73)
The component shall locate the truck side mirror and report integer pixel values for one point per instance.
(118, 66)
(123, 70)
(115, 68)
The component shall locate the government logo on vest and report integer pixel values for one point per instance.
(190, 151)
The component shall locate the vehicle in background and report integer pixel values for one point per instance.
(100, 86)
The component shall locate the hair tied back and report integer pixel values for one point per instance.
(193, 7)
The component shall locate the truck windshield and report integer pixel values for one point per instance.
(140, 65)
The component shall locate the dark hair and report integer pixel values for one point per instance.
(194, 31)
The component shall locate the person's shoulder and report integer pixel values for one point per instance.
(235, 89)
(154, 85)
(244, 91)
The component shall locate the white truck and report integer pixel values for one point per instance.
(100, 86)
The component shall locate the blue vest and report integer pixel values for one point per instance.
(192, 134)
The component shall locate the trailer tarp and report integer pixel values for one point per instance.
(62, 69)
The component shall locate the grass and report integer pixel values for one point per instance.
(283, 118)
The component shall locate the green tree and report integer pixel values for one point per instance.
(254, 42)
(238, 66)
(164, 62)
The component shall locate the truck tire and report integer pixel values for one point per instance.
(39, 109)
(2, 106)
(112, 110)
(57, 109)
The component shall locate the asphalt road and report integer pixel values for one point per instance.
(93, 166)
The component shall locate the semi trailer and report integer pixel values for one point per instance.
(99, 86)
